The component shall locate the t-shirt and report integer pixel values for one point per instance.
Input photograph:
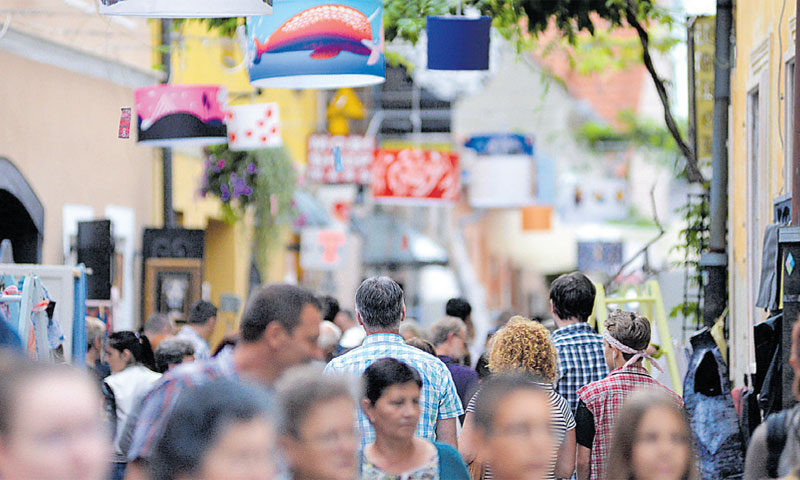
(562, 422)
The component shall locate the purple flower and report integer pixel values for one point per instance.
(240, 187)
(226, 194)
(251, 168)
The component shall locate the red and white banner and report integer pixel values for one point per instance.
(415, 175)
(354, 158)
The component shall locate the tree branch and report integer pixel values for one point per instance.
(692, 170)
(642, 250)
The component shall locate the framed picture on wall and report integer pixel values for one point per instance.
(172, 285)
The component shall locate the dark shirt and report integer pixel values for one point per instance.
(584, 421)
(465, 378)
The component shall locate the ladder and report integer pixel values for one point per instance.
(651, 305)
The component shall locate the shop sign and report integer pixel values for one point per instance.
(416, 176)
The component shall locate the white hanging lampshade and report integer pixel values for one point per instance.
(458, 43)
(169, 115)
(313, 44)
(186, 8)
(251, 127)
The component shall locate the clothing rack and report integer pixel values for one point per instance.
(66, 285)
(27, 319)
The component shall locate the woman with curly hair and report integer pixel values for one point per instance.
(525, 347)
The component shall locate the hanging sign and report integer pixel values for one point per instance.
(415, 176)
(251, 127)
(355, 153)
(170, 115)
(186, 8)
(317, 44)
(458, 43)
(322, 249)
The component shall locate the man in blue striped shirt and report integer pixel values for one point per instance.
(579, 347)
(380, 309)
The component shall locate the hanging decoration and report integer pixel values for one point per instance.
(415, 176)
(458, 43)
(169, 115)
(186, 8)
(310, 44)
(252, 127)
(351, 165)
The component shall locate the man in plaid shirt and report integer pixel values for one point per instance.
(380, 309)
(278, 330)
(626, 339)
(579, 347)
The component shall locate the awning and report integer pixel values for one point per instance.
(387, 242)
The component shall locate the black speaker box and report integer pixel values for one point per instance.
(96, 251)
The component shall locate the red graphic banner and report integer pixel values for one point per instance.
(415, 175)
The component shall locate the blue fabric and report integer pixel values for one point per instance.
(79, 320)
(8, 337)
(451, 465)
(711, 411)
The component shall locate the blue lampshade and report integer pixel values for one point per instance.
(314, 44)
(458, 43)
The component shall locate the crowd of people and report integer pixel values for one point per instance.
(307, 391)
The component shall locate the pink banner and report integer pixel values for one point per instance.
(415, 175)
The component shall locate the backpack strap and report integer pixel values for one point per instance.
(777, 432)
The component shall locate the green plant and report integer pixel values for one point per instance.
(261, 180)
(694, 241)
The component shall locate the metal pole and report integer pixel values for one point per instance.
(166, 153)
(715, 262)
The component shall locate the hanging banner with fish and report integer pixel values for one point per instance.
(169, 115)
(186, 8)
(311, 44)
(415, 176)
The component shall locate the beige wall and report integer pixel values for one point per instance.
(60, 130)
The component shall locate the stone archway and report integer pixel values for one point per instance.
(21, 214)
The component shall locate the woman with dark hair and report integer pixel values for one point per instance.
(391, 403)
(652, 440)
(220, 430)
(51, 423)
(131, 361)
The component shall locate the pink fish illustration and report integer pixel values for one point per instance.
(326, 30)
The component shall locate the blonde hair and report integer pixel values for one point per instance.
(524, 346)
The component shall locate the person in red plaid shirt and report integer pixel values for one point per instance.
(625, 342)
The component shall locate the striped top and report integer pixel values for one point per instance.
(562, 422)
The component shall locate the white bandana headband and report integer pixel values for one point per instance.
(637, 354)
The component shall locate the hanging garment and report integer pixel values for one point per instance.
(707, 394)
(768, 289)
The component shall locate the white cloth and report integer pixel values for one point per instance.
(353, 337)
(127, 386)
(201, 350)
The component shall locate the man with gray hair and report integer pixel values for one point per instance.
(380, 309)
(173, 351)
(449, 338)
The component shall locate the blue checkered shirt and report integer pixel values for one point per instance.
(438, 398)
(580, 360)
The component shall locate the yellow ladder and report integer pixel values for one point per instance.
(651, 305)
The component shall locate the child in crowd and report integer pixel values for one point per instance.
(625, 343)
(652, 440)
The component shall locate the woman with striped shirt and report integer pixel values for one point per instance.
(524, 346)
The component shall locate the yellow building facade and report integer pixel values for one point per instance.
(760, 147)
(200, 57)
